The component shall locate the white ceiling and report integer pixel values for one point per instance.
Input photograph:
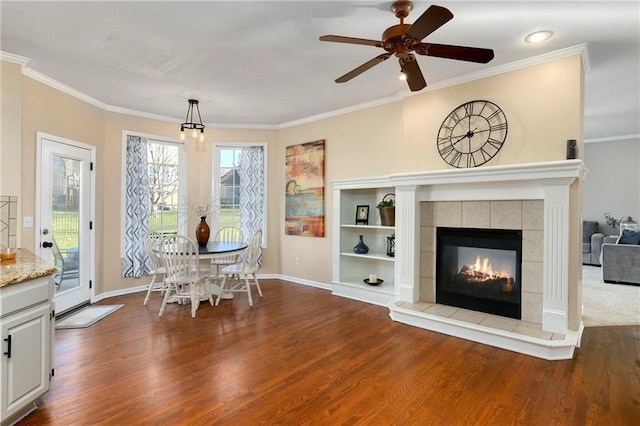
(259, 63)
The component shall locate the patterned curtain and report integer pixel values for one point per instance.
(135, 262)
(251, 190)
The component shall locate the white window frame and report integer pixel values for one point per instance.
(215, 174)
(182, 187)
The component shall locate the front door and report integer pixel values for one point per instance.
(64, 223)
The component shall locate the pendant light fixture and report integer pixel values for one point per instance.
(190, 123)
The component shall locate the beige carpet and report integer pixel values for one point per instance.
(608, 304)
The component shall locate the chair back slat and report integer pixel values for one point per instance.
(151, 246)
(252, 254)
(181, 257)
(228, 234)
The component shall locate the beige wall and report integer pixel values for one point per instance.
(543, 105)
(11, 132)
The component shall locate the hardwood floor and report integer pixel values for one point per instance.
(303, 356)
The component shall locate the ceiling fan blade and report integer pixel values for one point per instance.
(432, 19)
(351, 40)
(461, 53)
(362, 68)
(411, 69)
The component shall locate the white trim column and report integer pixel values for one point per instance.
(407, 272)
(555, 293)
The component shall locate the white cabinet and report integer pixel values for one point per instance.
(26, 326)
(351, 269)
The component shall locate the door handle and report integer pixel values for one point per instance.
(47, 244)
(8, 352)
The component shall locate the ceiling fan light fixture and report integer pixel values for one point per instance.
(402, 76)
(538, 37)
(191, 123)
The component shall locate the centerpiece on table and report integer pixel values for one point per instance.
(202, 207)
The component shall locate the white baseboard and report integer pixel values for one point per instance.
(142, 288)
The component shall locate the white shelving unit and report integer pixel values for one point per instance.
(351, 269)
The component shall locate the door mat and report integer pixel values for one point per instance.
(86, 317)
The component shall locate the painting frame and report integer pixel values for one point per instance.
(304, 189)
(362, 214)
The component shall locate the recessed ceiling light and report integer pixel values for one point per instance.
(538, 37)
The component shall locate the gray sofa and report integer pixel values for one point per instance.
(620, 262)
(591, 243)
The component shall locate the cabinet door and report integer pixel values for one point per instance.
(24, 374)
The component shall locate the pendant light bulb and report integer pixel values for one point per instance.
(201, 136)
(182, 134)
(195, 133)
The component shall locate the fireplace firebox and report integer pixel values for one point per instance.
(480, 269)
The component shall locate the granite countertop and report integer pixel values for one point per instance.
(26, 266)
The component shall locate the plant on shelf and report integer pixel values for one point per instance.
(615, 222)
(387, 207)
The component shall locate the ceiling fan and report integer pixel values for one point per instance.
(402, 39)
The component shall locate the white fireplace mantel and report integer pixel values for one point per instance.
(548, 181)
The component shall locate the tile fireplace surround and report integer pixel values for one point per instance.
(541, 199)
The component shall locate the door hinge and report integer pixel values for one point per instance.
(90, 224)
(91, 166)
(90, 284)
(53, 314)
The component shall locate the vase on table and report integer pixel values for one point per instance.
(361, 247)
(202, 231)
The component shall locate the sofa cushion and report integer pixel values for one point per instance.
(586, 247)
(629, 237)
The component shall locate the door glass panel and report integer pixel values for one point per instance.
(65, 229)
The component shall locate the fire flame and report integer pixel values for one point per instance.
(483, 271)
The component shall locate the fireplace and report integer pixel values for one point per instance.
(480, 269)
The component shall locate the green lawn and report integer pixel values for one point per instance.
(65, 224)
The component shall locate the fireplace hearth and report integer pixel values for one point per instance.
(480, 269)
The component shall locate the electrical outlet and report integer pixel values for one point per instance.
(297, 261)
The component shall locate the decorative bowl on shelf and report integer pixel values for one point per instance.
(376, 282)
(7, 254)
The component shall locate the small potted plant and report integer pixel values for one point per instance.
(387, 208)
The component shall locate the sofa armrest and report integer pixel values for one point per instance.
(611, 239)
(596, 244)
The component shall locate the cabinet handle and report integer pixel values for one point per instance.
(8, 352)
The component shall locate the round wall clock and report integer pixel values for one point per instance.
(472, 134)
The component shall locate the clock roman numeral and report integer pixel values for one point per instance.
(468, 108)
(500, 126)
(494, 115)
(444, 151)
(496, 144)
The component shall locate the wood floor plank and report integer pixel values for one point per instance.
(303, 356)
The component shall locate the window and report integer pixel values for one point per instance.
(166, 185)
(153, 182)
(239, 187)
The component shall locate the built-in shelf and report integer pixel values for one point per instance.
(349, 268)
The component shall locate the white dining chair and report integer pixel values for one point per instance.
(226, 234)
(240, 276)
(183, 278)
(152, 247)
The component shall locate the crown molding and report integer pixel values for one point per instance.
(614, 138)
(63, 88)
(13, 58)
(341, 111)
(580, 49)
